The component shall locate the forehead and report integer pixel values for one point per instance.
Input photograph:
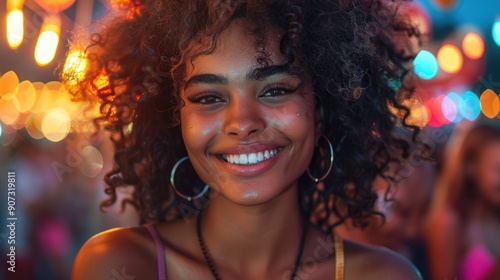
(236, 51)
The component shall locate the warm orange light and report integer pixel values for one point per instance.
(55, 6)
(490, 104)
(445, 3)
(46, 46)
(56, 125)
(100, 84)
(450, 59)
(33, 126)
(9, 109)
(473, 46)
(75, 66)
(15, 28)
(8, 83)
(26, 95)
(419, 113)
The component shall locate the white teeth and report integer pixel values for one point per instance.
(260, 156)
(243, 159)
(251, 158)
(266, 155)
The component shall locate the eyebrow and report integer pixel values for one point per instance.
(255, 74)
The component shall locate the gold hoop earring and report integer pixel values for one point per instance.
(172, 182)
(330, 165)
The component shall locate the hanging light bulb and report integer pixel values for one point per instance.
(15, 23)
(46, 46)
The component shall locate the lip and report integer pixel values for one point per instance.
(249, 170)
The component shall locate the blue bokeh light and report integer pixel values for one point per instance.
(0, 130)
(496, 32)
(452, 113)
(469, 106)
(425, 65)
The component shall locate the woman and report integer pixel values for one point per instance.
(256, 97)
(464, 222)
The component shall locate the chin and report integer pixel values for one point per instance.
(255, 193)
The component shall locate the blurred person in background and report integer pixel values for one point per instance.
(405, 206)
(464, 222)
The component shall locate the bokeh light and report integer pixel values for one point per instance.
(55, 6)
(48, 41)
(496, 32)
(56, 125)
(490, 104)
(450, 107)
(15, 28)
(46, 47)
(8, 83)
(473, 46)
(33, 126)
(26, 95)
(469, 106)
(425, 65)
(0, 130)
(93, 161)
(437, 119)
(445, 3)
(9, 108)
(8, 135)
(450, 59)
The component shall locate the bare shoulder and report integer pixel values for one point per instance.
(378, 262)
(115, 254)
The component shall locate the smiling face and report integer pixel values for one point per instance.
(249, 137)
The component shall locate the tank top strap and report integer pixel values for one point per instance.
(160, 253)
(339, 258)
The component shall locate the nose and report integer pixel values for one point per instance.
(243, 118)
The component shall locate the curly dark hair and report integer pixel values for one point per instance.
(136, 65)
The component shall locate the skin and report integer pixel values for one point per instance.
(451, 238)
(252, 224)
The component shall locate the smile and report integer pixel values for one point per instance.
(251, 158)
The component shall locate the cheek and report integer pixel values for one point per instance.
(197, 130)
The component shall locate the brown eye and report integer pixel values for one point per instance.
(276, 92)
(206, 99)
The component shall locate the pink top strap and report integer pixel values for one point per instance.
(160, 254)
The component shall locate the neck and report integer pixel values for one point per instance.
(253, 240)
